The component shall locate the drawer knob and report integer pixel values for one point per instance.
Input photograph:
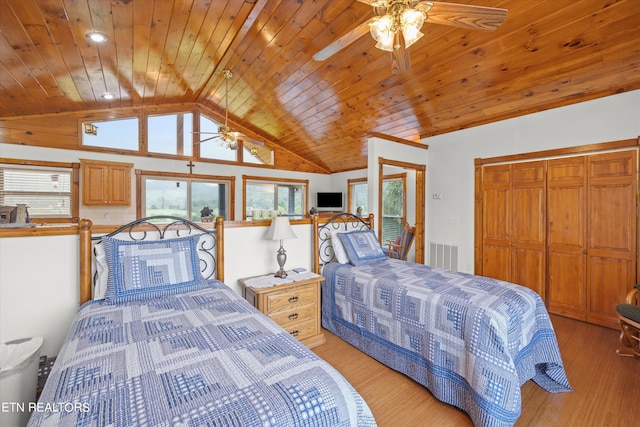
(295, 333)
(293, 316)
(293, 299)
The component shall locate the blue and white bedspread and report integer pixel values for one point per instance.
(471, 340)
(205, 357)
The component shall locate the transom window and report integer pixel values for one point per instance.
(170, 134)
(119, 134)
(174, 134)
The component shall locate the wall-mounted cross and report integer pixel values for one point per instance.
(191, 166)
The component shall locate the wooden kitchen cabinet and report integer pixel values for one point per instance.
(106, 183)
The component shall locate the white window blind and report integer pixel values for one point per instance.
(46, 191)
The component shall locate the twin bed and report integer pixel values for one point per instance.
(471, 340)
(166, 342)
(161, 340)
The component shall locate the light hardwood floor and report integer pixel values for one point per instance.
(606, 387)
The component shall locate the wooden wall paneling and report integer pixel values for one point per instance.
(496, 222)
(566, 236)
(528, 235)
(611, 236)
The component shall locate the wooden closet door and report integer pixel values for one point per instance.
(566, 236)
(496, 222)
(528, 237)
(611, 257)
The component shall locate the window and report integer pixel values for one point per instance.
(170, 134)
(47, 188)
(393, 206)
(358, 196)
(185, 196)
(116, 134)
(265, 198)
(211, 148)
(256, 153)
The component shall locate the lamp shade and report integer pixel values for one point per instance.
(280, 229)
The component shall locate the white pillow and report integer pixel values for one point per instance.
(102, 273)
(338, 248)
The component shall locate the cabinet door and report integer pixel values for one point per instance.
(94, 179)
(528, 237)
(611, 257)
(496, 222)
(119, 188)
(566, 236)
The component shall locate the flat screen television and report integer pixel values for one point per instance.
(329, 201)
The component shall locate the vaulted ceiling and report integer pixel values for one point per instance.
(547, 53)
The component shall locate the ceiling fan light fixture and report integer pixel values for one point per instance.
(412, 21)
(382, 32)
(394, 17)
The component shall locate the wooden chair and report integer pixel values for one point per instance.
(629, 317)
(399, 249)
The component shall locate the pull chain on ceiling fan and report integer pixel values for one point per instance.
(229, 138)
(397, 23)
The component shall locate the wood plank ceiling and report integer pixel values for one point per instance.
(546, 54)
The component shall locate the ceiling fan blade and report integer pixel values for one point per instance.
(208, 139)
(201, 133)
(466, 16)
(343, 41)
(400, 60)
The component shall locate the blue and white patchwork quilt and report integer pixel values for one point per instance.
(205, 357)
(471, 340)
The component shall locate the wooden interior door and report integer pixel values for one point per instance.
(611, 254)
(528, 236)
(496, 222)
(566, 236)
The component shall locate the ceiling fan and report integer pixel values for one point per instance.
(396, 25)
(228, 137)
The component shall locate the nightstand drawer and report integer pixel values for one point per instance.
(302, 330)
(294, 305)
(294, 315)
(300, 295)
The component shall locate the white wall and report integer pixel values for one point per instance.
(451, 156)
(38, 288)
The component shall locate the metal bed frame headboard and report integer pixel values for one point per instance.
(210, 247)
(322, 249)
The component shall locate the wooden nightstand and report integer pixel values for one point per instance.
(293, 305)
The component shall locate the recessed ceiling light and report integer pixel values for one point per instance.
(97, 36)
(108, 95)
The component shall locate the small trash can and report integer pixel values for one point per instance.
(18, 379)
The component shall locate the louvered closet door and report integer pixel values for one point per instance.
(496, 222)
(528, 236)
(566, 236)
(611, 236)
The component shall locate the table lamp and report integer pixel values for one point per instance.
(280, 229)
